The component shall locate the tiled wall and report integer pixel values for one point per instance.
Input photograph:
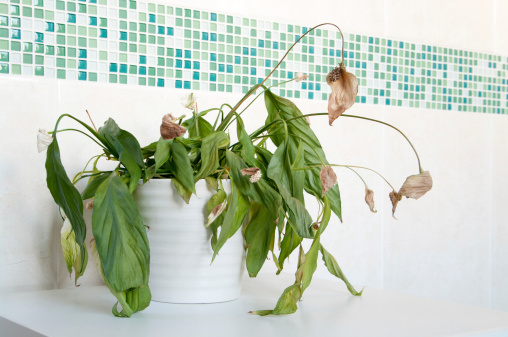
(140, 43)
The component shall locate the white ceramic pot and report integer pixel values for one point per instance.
(180, 251)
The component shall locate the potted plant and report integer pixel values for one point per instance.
(266, 201)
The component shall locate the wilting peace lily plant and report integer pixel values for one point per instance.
(267, 189)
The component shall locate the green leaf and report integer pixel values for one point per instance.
(199, 129)
(93, 185)
(162, 152)
(65, 195)
(334, 269)
(128, 149)
(247, 148)
(258, 235)
(216, 199)
(120, 235)
(279, 170)
(182, 191)
(132, 300)
(238, 207)
(309, 266)
(181, 167)
(289, 243)
(210, 153)
(286, 303)
(299, 129)
(260, 191)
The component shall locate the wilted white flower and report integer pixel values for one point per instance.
(328, 178)
(344, 90)
(189, 101)
(43, 140)
(253, 172)
(70, 247)
(300, 77)
(169, 129)
(416, 185)
(214, 214)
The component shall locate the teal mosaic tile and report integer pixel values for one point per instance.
(139, 43)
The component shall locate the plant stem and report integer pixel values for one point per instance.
(368, 119)
(51, 132)
(359, 176)
(231, 113)
(348, 166)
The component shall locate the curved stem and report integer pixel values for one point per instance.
(348, 166)
(368, 119)
(92, 131)
(230, 114)
(52, 132)
(359, 176)
(257, 96)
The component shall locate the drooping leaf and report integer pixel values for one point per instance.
(65, 195)
(181, 167)
(237, 210)
(289, 243)
(182, 191)
(210, 153)
(309, 266)
(120, 235)
(132, 300)
(286, 303)
(260, 191)
(93, 185)
(299, 129)
(128, 149)
(258, 235)
(162, 152)
(247, 148)
(334, 269)
(279, 170)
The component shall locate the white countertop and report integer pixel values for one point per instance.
(327, 309)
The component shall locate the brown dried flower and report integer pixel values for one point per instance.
(253, 172)
(89, 204)
(328, 178)
(416, 185)
(369, 199)
(169, 129)
(344, 89)
(395, 198)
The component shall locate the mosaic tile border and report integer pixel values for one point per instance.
(142, 43)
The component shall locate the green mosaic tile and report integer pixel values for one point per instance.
(240, 54)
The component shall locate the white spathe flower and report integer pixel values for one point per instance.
(300, 77)
(43, 140)
(189, 101)
(214, 214)
(70, 248)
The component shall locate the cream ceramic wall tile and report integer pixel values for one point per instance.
(439, 247)
(442, 23)
(501, 26)
(499, 213)
(28, 218)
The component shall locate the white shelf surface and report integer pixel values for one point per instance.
(327, 309)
